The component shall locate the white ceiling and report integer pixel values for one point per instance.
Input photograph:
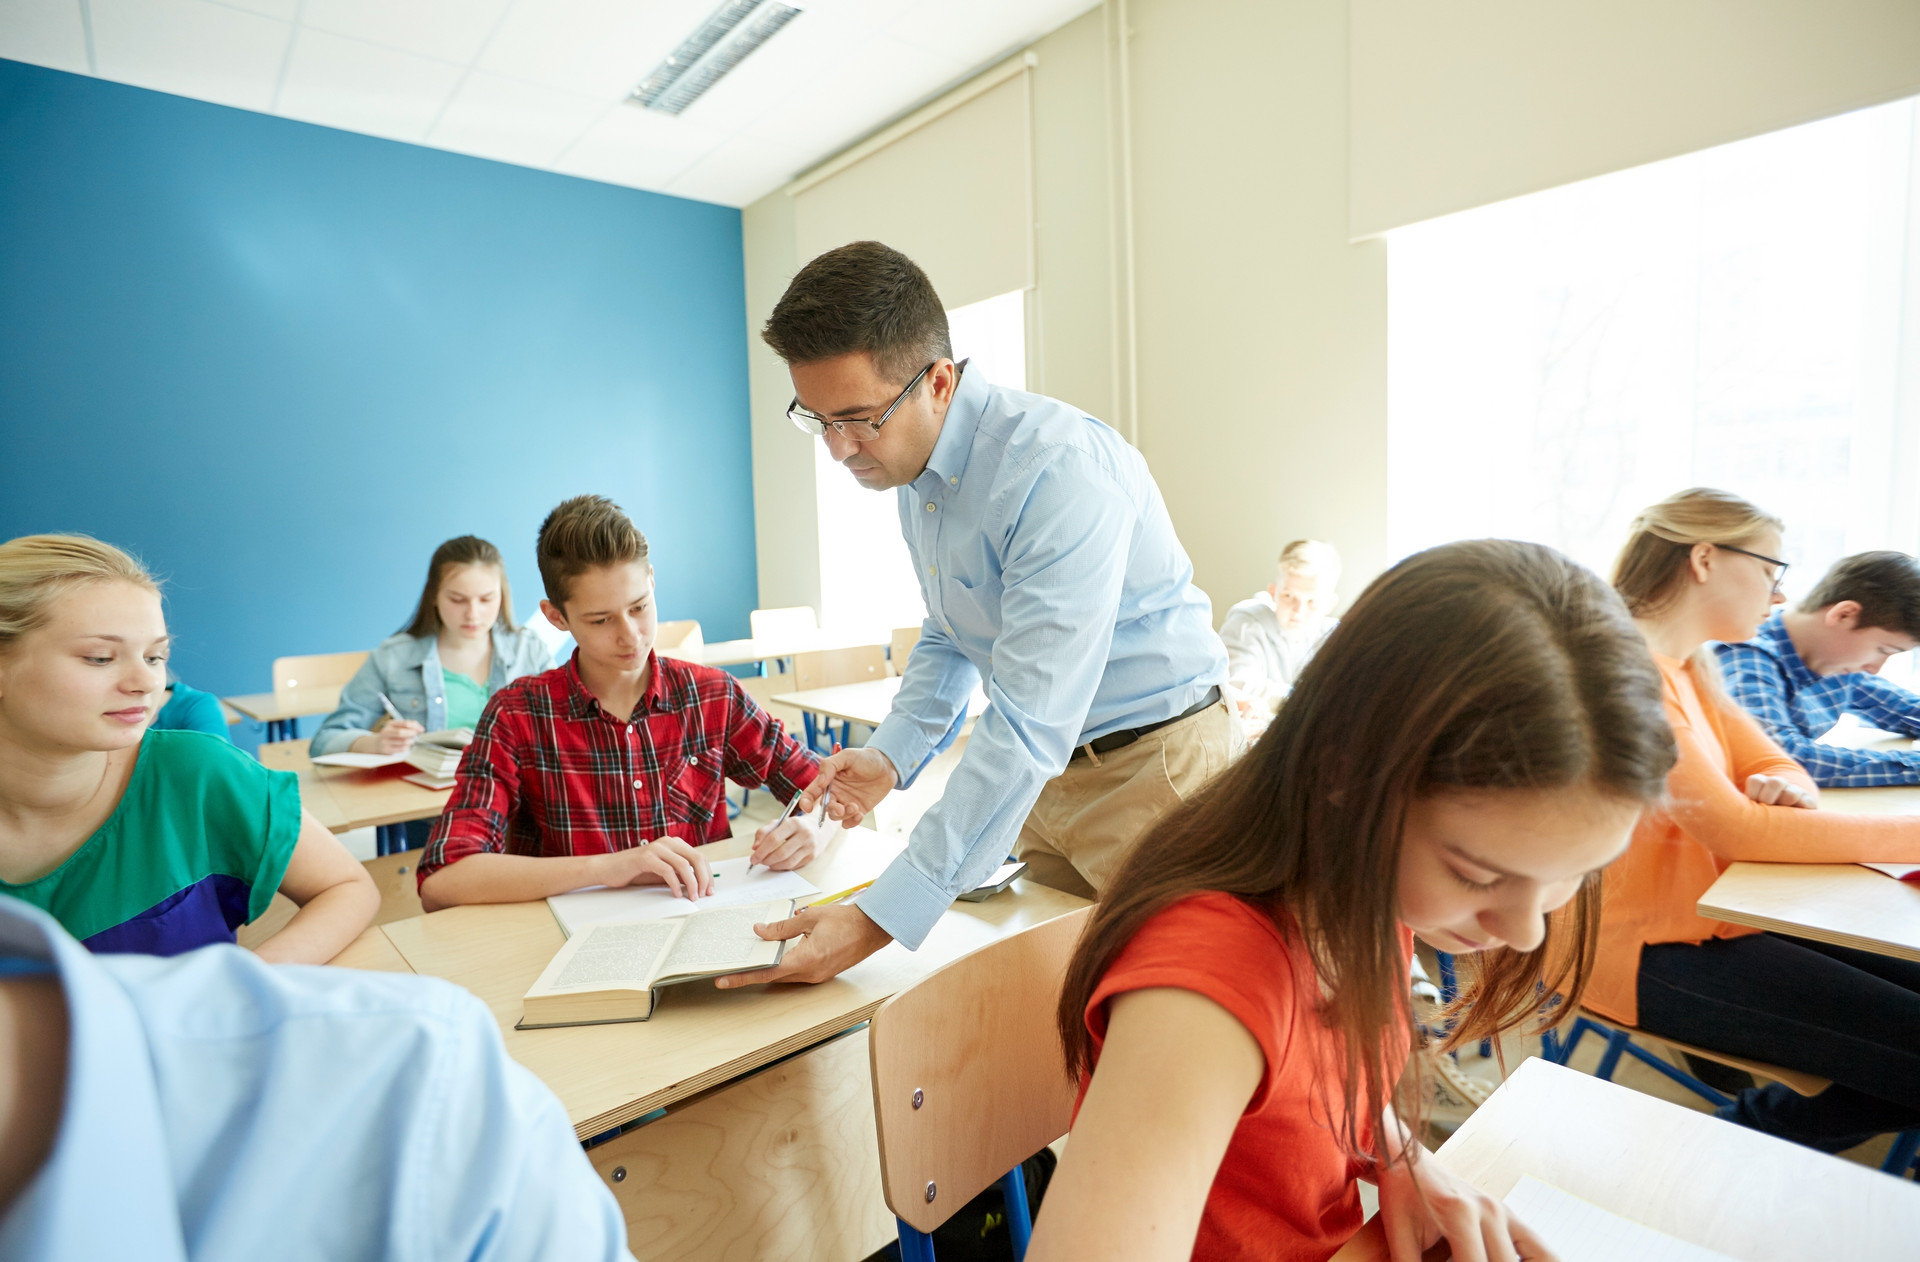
(540, 82)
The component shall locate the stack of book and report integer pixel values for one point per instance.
(436, 764)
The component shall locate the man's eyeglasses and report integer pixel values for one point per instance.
(1777, 566)
(860, 431)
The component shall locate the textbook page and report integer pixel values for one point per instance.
(1578, 1231)
(1898, 871)
(351, 759)
(616, 955)
(718, 941)
(733, 886)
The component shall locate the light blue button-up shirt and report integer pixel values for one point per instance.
(1052, 578)
(227, 1110)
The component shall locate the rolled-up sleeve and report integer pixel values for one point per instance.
(486, 792)
(1062, 572)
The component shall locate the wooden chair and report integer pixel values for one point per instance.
(773, 623)
(968, 1081)
(315, 670)
(679, 639)
(830, 668)
(904, 638)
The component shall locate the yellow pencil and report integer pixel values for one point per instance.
(834, 898)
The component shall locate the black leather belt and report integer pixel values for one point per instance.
(1127, 736)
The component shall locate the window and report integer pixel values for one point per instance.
(866, 576)
(1747, 317)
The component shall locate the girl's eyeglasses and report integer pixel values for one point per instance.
(1779, 567)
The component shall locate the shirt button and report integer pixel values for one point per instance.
(929, 506)
(953, 481)
(932, 569)
(636, 784)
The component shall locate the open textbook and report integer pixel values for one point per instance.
(1578, 1231)
(613, 970)
(733, 886)
(1898, 871)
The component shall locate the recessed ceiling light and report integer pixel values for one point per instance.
(703, 58)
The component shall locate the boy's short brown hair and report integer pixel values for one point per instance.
(1885, 584)
(584, 533)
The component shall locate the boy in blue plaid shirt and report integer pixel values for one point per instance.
(1809, 666)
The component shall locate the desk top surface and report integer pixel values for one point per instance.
(1680, 1171)
(867, 702)
(767, 648)
(346, 798)
(699, 1036)
(1841, 903)
(286, 703)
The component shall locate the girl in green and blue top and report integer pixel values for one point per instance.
(139, 840)
(438, 673)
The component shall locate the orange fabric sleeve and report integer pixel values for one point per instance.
(1715, 810)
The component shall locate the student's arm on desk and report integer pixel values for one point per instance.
(516, 878)
(1175, 1074)
(1717, 811)
(337, 899)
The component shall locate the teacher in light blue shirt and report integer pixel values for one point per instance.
(1052, 578)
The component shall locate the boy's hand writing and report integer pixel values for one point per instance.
(785, 846)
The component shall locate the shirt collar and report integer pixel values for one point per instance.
(111, 1132)
(1773, 638)
(584, 706)
(949, 459)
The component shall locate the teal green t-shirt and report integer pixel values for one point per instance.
(195, 849)
(466, 698)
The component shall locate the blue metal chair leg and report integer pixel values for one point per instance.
(915, 1246)
(1900, 1157)
(1013, 1187)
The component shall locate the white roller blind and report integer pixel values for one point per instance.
(1460, 104)
(953, 195)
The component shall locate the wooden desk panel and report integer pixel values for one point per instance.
(287, 703)
(346, 798)
(373, 951)
(700, 1037)
(1685, 1173)
(867, 702)
(1841, 903)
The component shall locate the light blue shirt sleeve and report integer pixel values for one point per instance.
(932, 698)
(1060, 594)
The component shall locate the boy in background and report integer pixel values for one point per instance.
(612, 769)
(1271, 635)
(1810, 665)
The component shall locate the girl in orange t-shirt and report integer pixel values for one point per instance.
(1700, 566)
(1471, 746)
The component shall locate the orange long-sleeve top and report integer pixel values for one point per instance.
(1708, 822)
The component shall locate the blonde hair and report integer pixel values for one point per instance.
(1653, 564)
(36, 570)
(1311, 556)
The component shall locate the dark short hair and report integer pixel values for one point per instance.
(861, 297)
(463, 550)
(1886, 585)
(585, 533)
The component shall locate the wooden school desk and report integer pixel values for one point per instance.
(767, 1148)
(282, 709)
(1705, 1181)
(346, 798)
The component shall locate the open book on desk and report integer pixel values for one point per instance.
(733, 886)
(1579, 1231)
(613, 970)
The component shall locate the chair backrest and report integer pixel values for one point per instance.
(315, 670)
(830, 668)
(793, 620)
(968, 1078)
(904, 638)
(679, 639)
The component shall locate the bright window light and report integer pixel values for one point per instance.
(1747, 317)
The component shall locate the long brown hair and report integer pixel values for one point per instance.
(1480, 665)
(465, 550)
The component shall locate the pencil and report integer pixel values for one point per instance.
(834, 898)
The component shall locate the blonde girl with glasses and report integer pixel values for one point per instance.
(1700, 567)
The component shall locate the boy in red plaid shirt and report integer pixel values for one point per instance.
(612, 769)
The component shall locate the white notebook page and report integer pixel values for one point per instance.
(733, 886)
(1578, 1231)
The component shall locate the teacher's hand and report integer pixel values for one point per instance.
(836, 938)
(859, 778)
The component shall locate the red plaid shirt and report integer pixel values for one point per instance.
(552, 773)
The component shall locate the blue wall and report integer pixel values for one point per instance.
(282, 362)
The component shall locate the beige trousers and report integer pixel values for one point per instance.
(1089, 816)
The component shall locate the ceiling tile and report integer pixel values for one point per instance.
(979, 30)
(741, 170)
(815, 52)
(599, 47)
(190, 47)
(451, 30)
(363, 87)
(512, 121)
(285, 10)
(44, 33)
(638, 148)
(889, 79)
